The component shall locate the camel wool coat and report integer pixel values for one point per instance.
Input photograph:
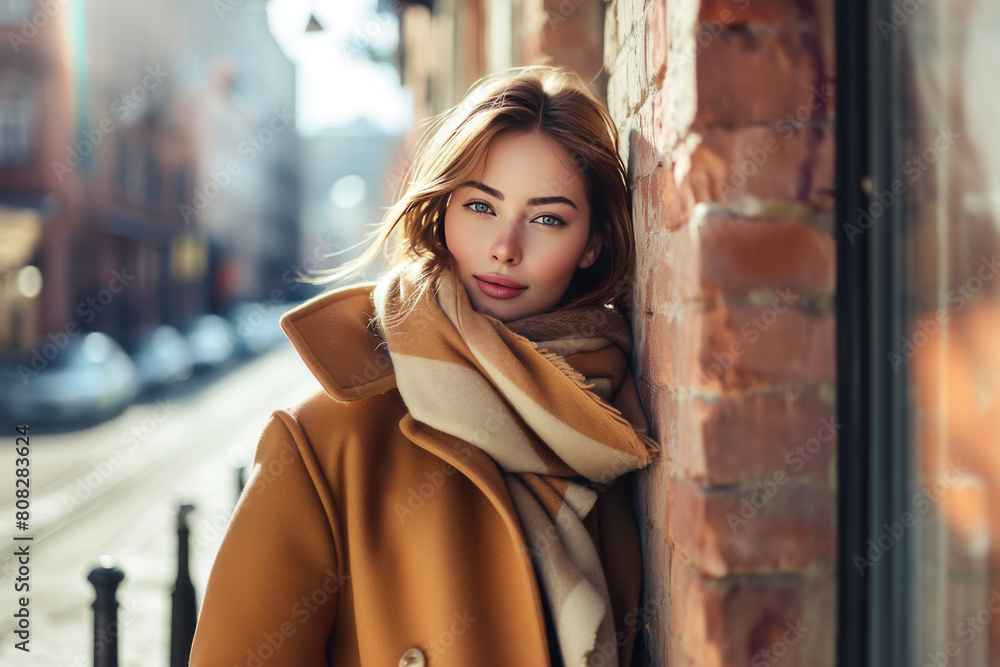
(364, 537)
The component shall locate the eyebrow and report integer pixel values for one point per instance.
(537, 201)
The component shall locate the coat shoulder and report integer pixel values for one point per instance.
(351, 441)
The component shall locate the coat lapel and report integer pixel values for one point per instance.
(479, 468)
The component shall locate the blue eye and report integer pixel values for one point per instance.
(473, 207)
(553, 221)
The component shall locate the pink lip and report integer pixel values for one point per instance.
(498, 279)
(498, 287)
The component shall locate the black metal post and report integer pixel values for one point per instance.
(184, 615)
(241, 480)
(105, 581)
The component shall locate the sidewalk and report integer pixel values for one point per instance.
(146, 551)
(132, 517)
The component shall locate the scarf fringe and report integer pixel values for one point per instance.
(581, 381)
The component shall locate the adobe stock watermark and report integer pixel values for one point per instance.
(750, 331)
(417, 496)
(447, 637)
(223, 7)
(248, 149)
(967, 629)
(322, 249)
(958, 297)
(900, 14)
(87, 309)
(779, 649)
(605, 654)
(756, 157)
(122, 107)
(130, 440)
(797, 458)
(691, 47)
(129, 612)
(31, 26)
(303, 610)
(364, 36)
(892, 533)
(913, 168)
(261, 479)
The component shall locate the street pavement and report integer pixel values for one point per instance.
(113, 491)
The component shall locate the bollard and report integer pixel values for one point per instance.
(237, 459)
(184, 613)
(105, 580)
(241, 480)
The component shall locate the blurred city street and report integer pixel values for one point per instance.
(114, 490)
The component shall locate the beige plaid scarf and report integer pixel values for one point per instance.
(552, 431)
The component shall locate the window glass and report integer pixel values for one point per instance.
(949, 165)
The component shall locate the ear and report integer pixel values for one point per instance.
(591, 252)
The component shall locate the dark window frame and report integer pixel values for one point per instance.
(875, 610)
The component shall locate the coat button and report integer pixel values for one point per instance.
(413, 657)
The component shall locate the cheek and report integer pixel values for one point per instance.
(457, 238)
(557, 269)
(561, 262)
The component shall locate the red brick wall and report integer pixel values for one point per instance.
(725, 110)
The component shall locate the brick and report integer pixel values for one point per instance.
(792, 158)
(573, 36)
(634, 76)
(739, 12)
(622, 26)
(778, 525)
(650, 210)
(660, 121)
(727, 348)
(656, 41)
(663, 281)
(652, 489)
(747, 77)
(658, 401)
(616, 93)
(813, 20)
(734, 255)
(644, 157)
(826, 24)
(657, 367)
(748, 437)
(733, 622)
(676, 209)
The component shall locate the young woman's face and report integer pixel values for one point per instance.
(519, 231)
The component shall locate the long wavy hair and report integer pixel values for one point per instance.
(551, 100)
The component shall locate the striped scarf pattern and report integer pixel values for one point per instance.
(554, 433)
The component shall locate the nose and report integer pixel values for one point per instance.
(506, 246)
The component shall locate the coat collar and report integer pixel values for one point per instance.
(330, 332)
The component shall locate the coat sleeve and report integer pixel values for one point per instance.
(273, 590)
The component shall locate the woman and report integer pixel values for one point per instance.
(456, 491)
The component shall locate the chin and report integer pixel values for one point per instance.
(486, 310)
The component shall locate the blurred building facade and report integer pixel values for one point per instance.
(149, 168)
(344, 198)
(36, 205)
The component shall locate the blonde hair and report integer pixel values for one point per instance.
(552, 101)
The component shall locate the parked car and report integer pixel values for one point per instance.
(89, 380)
(162, 357)
(212, 341)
